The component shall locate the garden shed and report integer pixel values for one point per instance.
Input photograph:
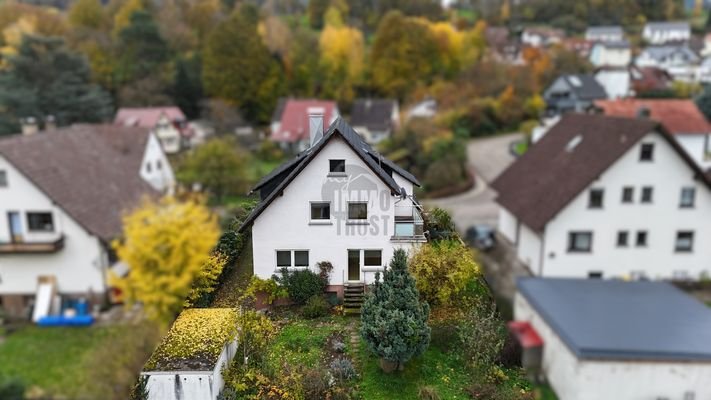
(612, 339)
(188, 363)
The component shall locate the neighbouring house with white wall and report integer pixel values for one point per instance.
(665, 32)
(611, 54)
(681, 117)
(602, 196)
(572, 93)
(290, 121)
(338, 201)
(375, 119)
(678, 60)
(611, 33)
(610, 339)
(63, 194)
(169, 124)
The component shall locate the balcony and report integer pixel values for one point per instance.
(19, 247)
(409, 225)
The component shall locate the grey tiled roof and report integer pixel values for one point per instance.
(90, 171)
(617, 320)
(585, 86)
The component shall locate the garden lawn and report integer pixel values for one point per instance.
(53, 358)
(435, 369)
(302, 343)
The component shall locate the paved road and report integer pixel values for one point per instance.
(488, 157)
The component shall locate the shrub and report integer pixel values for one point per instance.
(338, 346)
(266, 286)
(393, 320)
(343, 369)
(439, 224)
(510, 354)
(481, 333)
(301, 285)
(315, 384)
(325, 268)
(206, 281)
(443, 271)
(316, 306)
(427, 393)
(11, 388)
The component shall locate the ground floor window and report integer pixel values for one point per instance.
(359, 259)
(580, 242)
(292, 258)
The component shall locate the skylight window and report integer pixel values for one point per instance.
(575, 81)
(574, 142)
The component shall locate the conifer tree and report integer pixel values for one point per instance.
(393, 319)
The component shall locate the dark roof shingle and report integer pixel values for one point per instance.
(554, 170)
(91, 172)
(374, 114)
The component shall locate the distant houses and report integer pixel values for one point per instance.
(168, 124)
(542, 36)
(573, 93)
(657, 33)
(609, 53)
(677, 59)
(630, 81)
(602, 196)
(63, 194)
(610, 339)
(681, 117)
(604, 34)
(375, 119)
(290, 121)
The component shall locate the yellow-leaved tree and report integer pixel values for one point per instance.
(342, 57)
(165, 245)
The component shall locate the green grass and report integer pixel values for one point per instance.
(301, 343)
(52, 358)
(521, 147)
(546, 393)
(436, 369)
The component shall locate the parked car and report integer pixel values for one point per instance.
(481, 236)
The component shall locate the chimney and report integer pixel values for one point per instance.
(29, 126)
(315, 124)
(643, 112)
(50, 123)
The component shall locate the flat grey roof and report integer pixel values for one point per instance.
(617, 320)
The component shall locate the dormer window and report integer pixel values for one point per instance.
(337, 166)
(646, 152)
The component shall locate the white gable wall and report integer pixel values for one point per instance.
(667, 174)
(698, 146)
(285, 224)
(155, 167)
(78, 267)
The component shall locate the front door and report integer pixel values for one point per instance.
(15, 221)
(353, 265)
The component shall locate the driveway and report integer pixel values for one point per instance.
(487, 157)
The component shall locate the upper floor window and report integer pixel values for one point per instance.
(320, 211)
(647, 194)
(627, 194)
(159, 165)
(684, 241)
(357, 210)
(622, 238)
(595, 199)
(40, 222)
(688, 194)
(149, 168)
(646, 152)
(337, 166)
(3, 178)
(580, 242)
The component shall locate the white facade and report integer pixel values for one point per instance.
(617, 82)
(168, 134)
(547, 252)
(698, 146)
(286, 223)
(660, 32)
(680, 62)
(610, 54)
(573, 378)
(78, 266)
(604, 34)
(190, 385)
(155, 167)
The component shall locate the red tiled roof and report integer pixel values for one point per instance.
(650, 78)
(146, 117)
(295, 119)
(677, 115)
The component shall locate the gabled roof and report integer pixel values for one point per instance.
(618, 320)
(294, 118)
(650, 78)
(146, 117)
(374, 114)
(284, 174)
(604, 30)
(671, 25)
(585, 86)
(91, 172)
(679, 116)
(662, 52)
(574, 152)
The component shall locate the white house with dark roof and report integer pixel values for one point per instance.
(63, 194)
(678, 60)
(573, 93)
(338, 201)
(168, 124)
(665, 32)
(611, 33)
(375, 119)
(606, 339)
(611, 54)
(608, 197)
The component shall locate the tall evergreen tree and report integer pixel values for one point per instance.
(45, 78)
(393, 319)
(238, 67)
(187, 86)
(143, 49)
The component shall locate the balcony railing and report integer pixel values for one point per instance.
(409, 225)
(19, 247)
